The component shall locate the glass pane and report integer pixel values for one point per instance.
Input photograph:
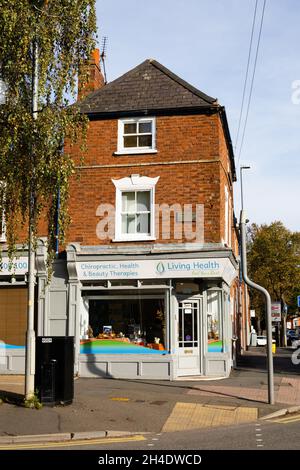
(130, 128)
(145, 127)
(128, 201)
(180, 325)
(188, 328)
(143, 223)
(128, 224)
(214, 323)
(143, 201)
(145, 141)
(130, 141)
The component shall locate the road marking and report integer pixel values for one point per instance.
(81, 442)
(119, 399)
(286, 419)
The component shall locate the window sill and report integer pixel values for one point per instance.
(136, 239)
(135, 152)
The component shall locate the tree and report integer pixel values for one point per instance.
(33, 166)
(274, 262)
(43, 46)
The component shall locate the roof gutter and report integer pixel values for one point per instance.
(189, 110)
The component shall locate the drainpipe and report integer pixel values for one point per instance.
(266, 294)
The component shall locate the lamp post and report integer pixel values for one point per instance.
(242, 167)
(262, 290)
(247, 333)
(30, 333)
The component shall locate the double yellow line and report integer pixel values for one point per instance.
(287, 419)
(81, 442)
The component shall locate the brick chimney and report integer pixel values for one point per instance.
(95, 78)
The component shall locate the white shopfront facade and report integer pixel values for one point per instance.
(190, 292)
(133, 315)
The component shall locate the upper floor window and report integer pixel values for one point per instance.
(136, 135)
(135, 208)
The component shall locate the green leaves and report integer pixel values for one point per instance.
(274, 259)
(31, 154)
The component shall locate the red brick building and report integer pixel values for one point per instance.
(149, 284)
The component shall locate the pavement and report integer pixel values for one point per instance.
(118, 407)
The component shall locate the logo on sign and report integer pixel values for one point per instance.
(160, 268)
(46, 340)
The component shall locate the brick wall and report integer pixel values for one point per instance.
(192, 163)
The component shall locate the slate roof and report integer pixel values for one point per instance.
(149, 86)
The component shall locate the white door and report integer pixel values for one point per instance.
(188, 341)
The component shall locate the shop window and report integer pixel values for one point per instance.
(135, 208)
(126, 326)
(214, 321)
(136, 135)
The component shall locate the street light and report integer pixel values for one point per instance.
(242, 167)
(30, 333)
(262, 290)
(245, 167)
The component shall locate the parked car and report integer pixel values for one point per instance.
(261, 341)
(295, 343)
(291, 336)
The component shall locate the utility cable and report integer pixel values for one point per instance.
(246, 76)
(252, 81)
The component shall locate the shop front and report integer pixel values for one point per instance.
(159, 318)
(13, 319)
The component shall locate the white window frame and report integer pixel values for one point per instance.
(134, 183)
(135, 150)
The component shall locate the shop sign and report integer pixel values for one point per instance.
(18, 266)
(154, 269)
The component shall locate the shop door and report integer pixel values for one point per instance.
(189, 344)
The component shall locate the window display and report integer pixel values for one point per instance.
(214, 321)
(131, 325)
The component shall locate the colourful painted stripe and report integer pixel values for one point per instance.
(115, 347)
(10, 346)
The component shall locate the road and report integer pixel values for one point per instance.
(261, 435)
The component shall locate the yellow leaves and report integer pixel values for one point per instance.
(31, 151)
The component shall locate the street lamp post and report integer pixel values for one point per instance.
(247, 332)
(30, 333)
(242, 167)
(262, 290)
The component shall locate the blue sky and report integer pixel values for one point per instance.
(206, 42)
